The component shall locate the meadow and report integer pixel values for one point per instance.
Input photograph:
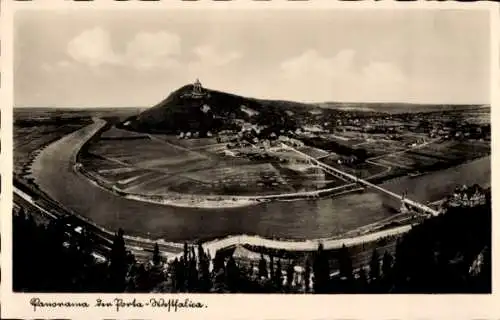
(157, 164)
(143, 152)
(34, 130)
(437, 155)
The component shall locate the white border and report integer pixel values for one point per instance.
(244, 306)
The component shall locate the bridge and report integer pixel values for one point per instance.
(411, 204)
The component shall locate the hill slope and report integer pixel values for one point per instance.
(212, 111)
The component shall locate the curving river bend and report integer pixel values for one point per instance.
(305, 219)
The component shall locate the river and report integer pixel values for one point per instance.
(304, 219)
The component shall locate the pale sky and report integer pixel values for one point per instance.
(112, 59)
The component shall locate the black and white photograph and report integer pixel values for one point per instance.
(252, 151)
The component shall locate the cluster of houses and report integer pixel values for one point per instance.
(467, 196)
(461, 131)
(192, 135)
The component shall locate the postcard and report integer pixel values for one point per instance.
(248, 159)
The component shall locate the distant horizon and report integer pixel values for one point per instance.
(315, 104)
(318, 104)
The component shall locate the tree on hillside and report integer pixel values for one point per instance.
(78, 259)
(345, 263)
(387, 276)
(321, 271)
(387, 265)
(345, 282)
(397, 268)
(262, 267)
(362, 281)
(278, 276)
(218, 272)
(55, 240)
(176, 275)
(483, 281)
(156, 255)
(375, 266)
(307, 275)
(192, 271)
(186, 251)
(201, 252)
(218, 261)
(204, 269)
(118, 263)
(289, 274)
(140, 280)
(271, 267)
(232, 275)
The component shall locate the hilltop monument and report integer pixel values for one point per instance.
(197, 88)
(197, 92)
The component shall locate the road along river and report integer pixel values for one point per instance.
(53, 170)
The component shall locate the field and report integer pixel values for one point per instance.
(143, 153)
(454, 150)
(436, 155)
(189, 143)
(347, 138)
(156, 164)
(31, 133)
(381, 147)
(313, 152)
(115, 133)
(245, 180)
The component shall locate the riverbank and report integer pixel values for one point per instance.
(214, 201)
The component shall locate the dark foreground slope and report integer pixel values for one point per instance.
(212, 111)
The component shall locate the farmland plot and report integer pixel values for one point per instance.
(96, 163)
(136, 185)
(143, 153)
(124, 177)
(441, 155)
(457, 150)
(383, 147)
(313, 152)
(188, 143)
(115, 133)
(157, 185)
(408, 161)
(27, 140)
(116, 171)
(249, 179)
(248, 172)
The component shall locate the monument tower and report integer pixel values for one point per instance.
(197, 88)
(197, 92)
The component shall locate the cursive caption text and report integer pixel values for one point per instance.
(170, 305)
